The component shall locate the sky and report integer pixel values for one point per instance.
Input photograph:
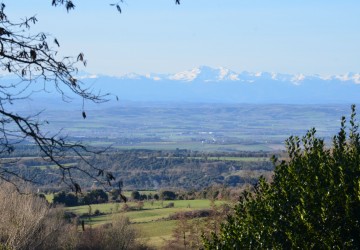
(283, 36)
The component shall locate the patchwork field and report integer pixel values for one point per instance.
(152, 220)
(201, 127)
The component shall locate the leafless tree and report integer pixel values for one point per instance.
(28, 222)
(34, 62)
(34, 66)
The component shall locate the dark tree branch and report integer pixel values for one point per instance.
(32, 59)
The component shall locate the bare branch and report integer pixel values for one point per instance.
(32, 60)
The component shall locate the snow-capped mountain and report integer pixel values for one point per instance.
(210, 74)
(205, 74)
(206, 84)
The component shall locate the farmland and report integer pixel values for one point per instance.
(185, 148)
(198, 127)
(152, 220)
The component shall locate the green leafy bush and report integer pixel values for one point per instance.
(312, 203)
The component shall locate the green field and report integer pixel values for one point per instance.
(152, 220)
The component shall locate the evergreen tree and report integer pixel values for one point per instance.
(312, 203)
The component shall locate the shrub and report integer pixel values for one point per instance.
(95, 197)
(28, 222)
(135, 195)
(68, 199)
(312, 203)
(119, 234)
(167, 195)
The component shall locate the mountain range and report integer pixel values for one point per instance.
(220, 85)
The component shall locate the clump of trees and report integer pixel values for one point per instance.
(312, 203)
(96, 196)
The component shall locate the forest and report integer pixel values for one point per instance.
(152, 170)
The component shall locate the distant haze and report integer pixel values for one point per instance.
(221, 85)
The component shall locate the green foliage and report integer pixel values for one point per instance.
(156, 197)
(312, 203)
(135, 195)
(68, 199)
(167, 195)
(95, 197)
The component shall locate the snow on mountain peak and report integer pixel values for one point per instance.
(219, 74)
(355, 77)
(296, 79)
(206, 74)
(188, 75)
(131, 76)
(226, 74)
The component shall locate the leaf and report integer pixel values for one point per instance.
(80, 57)
(118, 8)
(101, 172)
(110, 176)
(33, 54)
(73, 81)
(69, 6)
(56, 42)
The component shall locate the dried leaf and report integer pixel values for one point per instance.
(73, 81)
(101, 172)
(110, 176)
(80, 57)
(69, 6)
(33, 54)
(56, 42)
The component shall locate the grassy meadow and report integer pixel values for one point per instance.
(152, 220)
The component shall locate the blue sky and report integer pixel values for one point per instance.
(286, 36)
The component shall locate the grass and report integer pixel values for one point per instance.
(148, 213)
(155, 233)
(104, 208)
(152, 221)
